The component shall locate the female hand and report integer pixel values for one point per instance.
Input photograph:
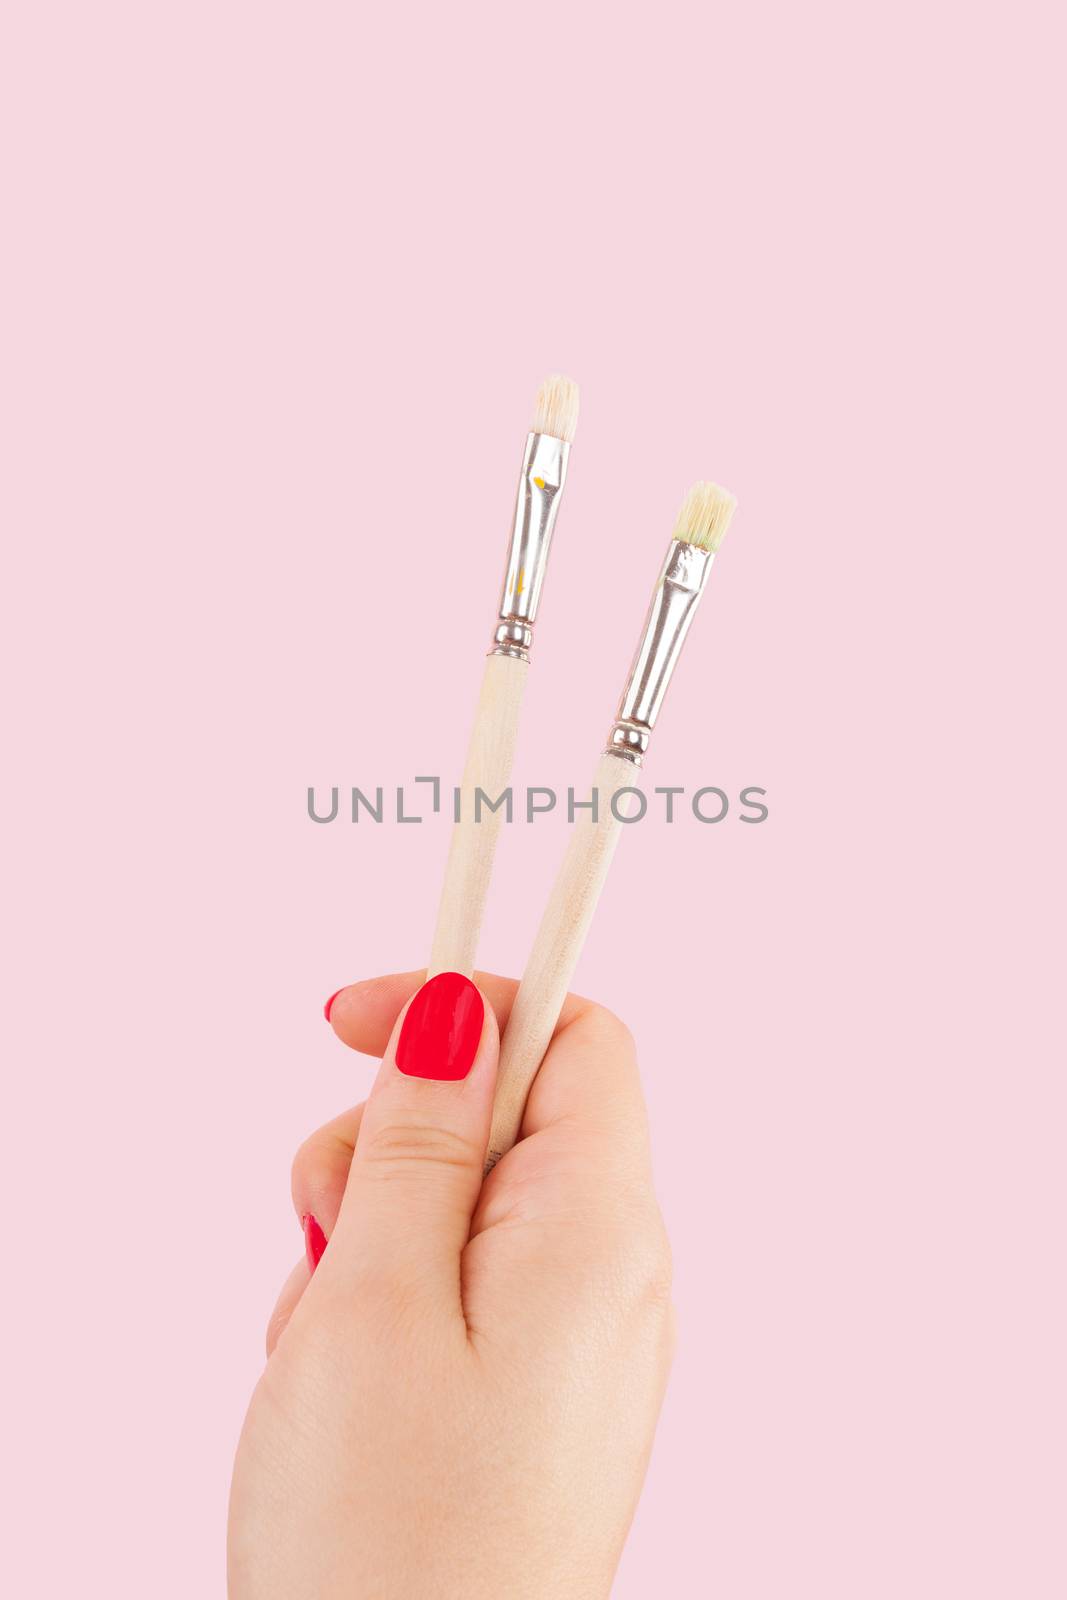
(461, 1400)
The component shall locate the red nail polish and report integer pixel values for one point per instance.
(442, 1028)
(314, 1240)
(329, 1004)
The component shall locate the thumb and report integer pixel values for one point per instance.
(417, 1168)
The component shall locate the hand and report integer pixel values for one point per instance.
(461, 1400)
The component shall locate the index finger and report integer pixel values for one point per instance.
(363, 1014)
(588, 1084)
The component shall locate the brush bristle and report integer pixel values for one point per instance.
(705, 516)
(556, 411)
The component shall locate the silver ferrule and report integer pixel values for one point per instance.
(544, 471)
(674, 601)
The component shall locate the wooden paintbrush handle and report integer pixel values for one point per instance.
(470, 855)
(555, 953)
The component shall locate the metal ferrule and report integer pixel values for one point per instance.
(544, 471)
(674, 601)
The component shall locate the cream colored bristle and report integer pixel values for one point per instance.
(705, 516)
(556, 411)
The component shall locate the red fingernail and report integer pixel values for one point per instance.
(314, 1240)
(329, 1004)
(440, 1035)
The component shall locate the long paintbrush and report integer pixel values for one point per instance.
(492, 744)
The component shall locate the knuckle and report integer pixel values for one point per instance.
(659, 1277)
(309, 1159)
(299, 1181)
(400, 1144)
(627, 1260)
(605, 1027)
(652, 1267)
(319, 1167)
(303, 1162)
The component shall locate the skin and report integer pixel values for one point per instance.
(461, 1400)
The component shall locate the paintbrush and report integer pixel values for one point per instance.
(492, 743)
(702, 522)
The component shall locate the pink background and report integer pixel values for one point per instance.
(280, 281)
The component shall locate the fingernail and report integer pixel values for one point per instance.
(329, 1004)
(314, 1240)
(440, 1035)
